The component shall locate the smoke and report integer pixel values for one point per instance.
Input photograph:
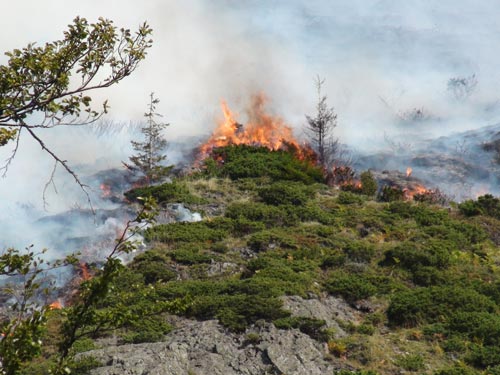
(387, 64)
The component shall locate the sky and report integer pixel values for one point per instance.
(384, 62)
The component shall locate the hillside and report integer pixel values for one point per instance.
(287, 275)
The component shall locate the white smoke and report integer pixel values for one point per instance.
(383, 60)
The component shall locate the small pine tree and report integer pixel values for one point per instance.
(320, 129)
(149, 157)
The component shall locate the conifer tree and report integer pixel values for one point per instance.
(149, 157)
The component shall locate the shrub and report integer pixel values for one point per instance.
(174, 192)
(390, 194)
(429, 305)
(352, 287)
(185, 232)
(483, 356)
(410, 362)
(310, 326)
(280, 193)
(359, 251)
(368, 183)
(271, 216)
(153, 266)
(457, 370)
(484, 205)
(346, 197)
(244, 161)
(264, 240)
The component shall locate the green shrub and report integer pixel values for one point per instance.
(310, 326)
(185, 232)
(244, 161)
(483, 356)
(270, 216)
(359, 251)
(174, 192)
(410, 362)
(429, 305)
(191, 255)
(153, 266)
(484, 205)
(352, 287)
(478, 326)
(284, 193)
(457, 370)
(346, 197)
(368, 184)
(390, 194)
(265, 240)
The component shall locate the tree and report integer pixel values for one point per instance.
(149, 155)
(37, 90)
(320, 128)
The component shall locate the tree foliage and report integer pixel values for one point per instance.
(45, 87)
(320, 128)
(149, 155)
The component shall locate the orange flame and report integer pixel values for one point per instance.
(85, 271)
(106, 190)
(408, 171)
(262, 129)
(56, 305)
(409, 193)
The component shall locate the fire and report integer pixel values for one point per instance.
(56, 305)
(262, 129)
(84, 270)
(105, 190)
(408, 171)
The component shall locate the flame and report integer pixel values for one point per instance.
(410, 192)
(105, 190)
(56, 305)
(408, 171)
(85, 271)
(262, 129)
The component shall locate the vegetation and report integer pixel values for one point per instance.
(149, 157)
(424, 279)
(36, 85)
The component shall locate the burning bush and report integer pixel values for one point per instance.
(245, 161)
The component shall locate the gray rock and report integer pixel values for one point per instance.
(207, 348)
(330, 309)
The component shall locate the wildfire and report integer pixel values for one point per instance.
(56, 305)
(84, 270)
(262, 129)
(410, 192)
(408, 171)
(105, 190)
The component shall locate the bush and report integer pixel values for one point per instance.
(244, 161)
(264, 240)
(390, 194)
(484, 205)
(153, 266)
(368, 184)
(410, 362)
(310, 326)
(284, 193)
(483, 356)
(352, 287)
(271, 216)
(346, 197)
(430, 305)
(185, 232)
(174, 192)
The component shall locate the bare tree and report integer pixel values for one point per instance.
(320, 128)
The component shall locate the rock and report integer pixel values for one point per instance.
(330, 309)
(207, 348)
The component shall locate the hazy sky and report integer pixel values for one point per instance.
(382, 59)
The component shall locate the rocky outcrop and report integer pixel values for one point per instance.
(207, 348)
